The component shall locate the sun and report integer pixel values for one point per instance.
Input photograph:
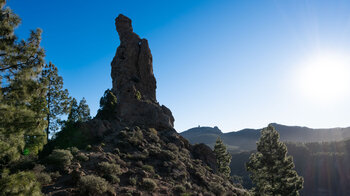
(324, 77)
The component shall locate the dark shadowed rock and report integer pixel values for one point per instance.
(204, 153)
(134, 83)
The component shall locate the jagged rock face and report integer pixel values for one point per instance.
(134, 83)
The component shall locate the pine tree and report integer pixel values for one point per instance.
(271, 169)
(83, 111)
(22, 97)
(79, 113)
(223, 158)
(107, 105)
(57, 98)
(73, 111)
(22, 103)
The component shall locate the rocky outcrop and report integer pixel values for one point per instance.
(134, 83)
(204, 153)
(133, 148)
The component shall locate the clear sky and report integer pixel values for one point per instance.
(226, 63)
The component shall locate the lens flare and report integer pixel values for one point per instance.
(324, 78)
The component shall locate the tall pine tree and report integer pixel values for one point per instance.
(272, 171)
(57, 98)
(223, 158)
(22, 97)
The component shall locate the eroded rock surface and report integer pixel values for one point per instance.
(134, 83)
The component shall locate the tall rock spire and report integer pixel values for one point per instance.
(134, 83)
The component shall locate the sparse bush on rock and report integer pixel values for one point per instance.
(148, 184)
(93, 185)
(132, 181)
(60, 158)
(148, 168)
(43, 178)
(178, 189)
(81, 157)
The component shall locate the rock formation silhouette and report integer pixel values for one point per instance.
(134, 83)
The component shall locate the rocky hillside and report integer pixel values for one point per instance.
(135, 150)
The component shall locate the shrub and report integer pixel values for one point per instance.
(81, 157)
(132, 181)
(148, 168)
(72, 135)
(153, 135)
(148, 184)
(38, 168)
(93, 185)
(218, 189)
(167, 155)
(179, 189)
(109, 168)
(24, 163)
(172, 147)
(138, 95)
(21, 183)
(61, 158)
(112, 178)
(110, 171)
(43, 178)
(188, 185)
(117, 151)
(74, 150)
(55, 175)
(136, 138)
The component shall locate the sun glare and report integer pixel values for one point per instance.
(324, 78)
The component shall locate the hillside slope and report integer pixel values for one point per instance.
(244, 140)
(135, 150)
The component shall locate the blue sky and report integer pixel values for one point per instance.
(231, 64)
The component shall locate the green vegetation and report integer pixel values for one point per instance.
(21, 183)
(43, 178)
(271, 169)
(148, 184)
(109, 168)
(107, 105)
(132, 181)
(138, 95)
(148, 168)
(22, 96)
(223, 158)
(78, 113)
(71, 135)
(57, 98)
(60, 158)
(178, 189)
(81, 157)
(110, 171)
(93, 185)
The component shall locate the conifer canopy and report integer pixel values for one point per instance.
(272, 171)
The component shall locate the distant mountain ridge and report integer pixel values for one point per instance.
(245, 139)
